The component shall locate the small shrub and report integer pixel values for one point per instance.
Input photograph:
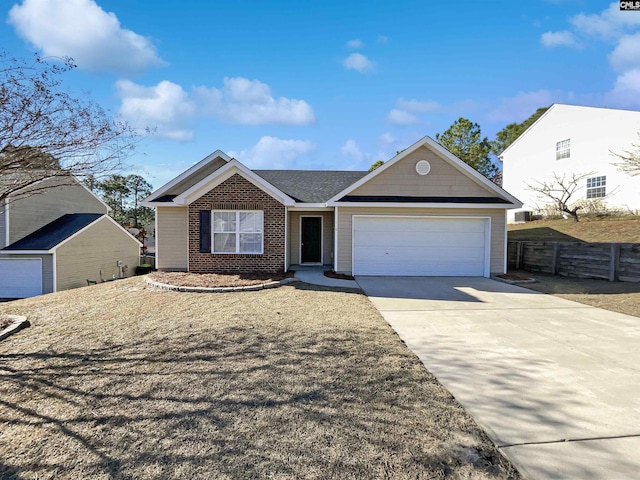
(143, 269)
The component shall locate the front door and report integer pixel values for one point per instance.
(311, 240)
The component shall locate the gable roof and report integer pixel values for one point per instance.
(310, 186)
(189, 177)
(7, 179)
(448, 157)
(233, 167)
(554, 107)
(54, 233)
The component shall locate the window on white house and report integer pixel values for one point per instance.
(237, 231)
(597, 187)
(563, 149)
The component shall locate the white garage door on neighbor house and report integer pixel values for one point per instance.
(421, 246)
(20, 278)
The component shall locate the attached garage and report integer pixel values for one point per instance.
(20, 278)
(421, 245)
(65, 253)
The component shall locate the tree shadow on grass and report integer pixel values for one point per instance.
(547, 283)
(540, 234)
(254, 400)
(514, 395)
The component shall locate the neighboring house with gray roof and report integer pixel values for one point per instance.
(58, 239)
(424, 212)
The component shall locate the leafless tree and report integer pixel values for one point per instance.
(47, 136)
(560, 190)
(629, 160)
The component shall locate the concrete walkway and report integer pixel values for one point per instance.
(315, 276)
(554, 383)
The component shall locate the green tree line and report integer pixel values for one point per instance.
(123, 194)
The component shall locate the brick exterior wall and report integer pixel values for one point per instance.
(236, 193)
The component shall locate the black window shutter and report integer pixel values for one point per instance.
(205, 231)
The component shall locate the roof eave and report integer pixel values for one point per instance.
(527, 131)
(167, 186)
(503, 206)
(225, 172)
(27, 252)
(440, 151)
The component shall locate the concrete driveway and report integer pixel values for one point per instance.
(554, 383)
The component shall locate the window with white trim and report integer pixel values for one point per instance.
(237, 231)
(597, 187)
(563, 149)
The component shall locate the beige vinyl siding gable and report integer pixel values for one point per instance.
(96, 248)
(196, 177)
(498, 229)
(294, 236)
(442, 181)
(172, 238)
(31, 213)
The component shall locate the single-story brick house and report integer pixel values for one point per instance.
(424, 212)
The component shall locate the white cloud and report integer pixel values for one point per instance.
(611, 22)
(82, 30)
(388, 138)
(351, 149)
(610, 25)
(355, 43)
(250, 102)
(357, 61)
(170, 110)
(382, 39)
(417, 106)
(558, 39)
(407, 111)
(522, 105)
(626, 55)
(164, 108)
(626, 91)
(273, 153)
(400, 117)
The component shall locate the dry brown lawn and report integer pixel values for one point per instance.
(606, 229)
(120, 381)
(623, 297)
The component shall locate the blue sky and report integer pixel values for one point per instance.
(326, 85)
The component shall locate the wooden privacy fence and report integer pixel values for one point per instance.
(611, 261)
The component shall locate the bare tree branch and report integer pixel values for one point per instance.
(560, 190)
(629, 160)
(46, 134)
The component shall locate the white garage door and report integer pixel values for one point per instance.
(20, 278)
(420, 246)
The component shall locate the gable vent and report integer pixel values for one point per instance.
(423, 167)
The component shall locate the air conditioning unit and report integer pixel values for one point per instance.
(522, 217)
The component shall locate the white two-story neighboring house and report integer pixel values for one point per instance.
(572, 139)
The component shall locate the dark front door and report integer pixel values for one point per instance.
(311, 240)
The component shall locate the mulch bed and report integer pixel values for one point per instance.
(5, 322)
(337, 276)
(515, 276)
(212, 280)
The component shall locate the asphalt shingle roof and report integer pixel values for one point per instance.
(53, 233)
(310, 186)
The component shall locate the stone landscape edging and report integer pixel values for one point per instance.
(19, 323)
(242, 288)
